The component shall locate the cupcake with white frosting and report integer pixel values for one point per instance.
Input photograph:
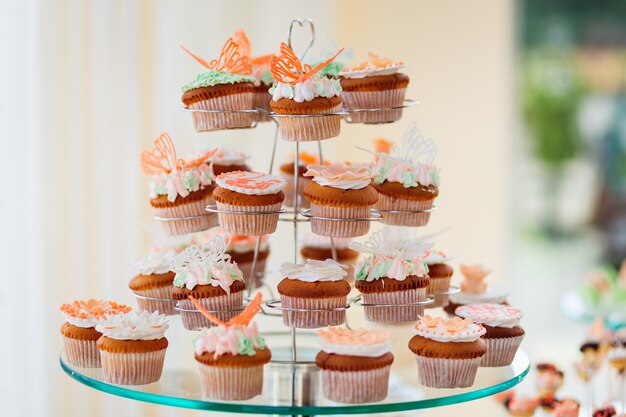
(319, 286)
(132, 347)
(228, 160)
(355, 364)
(288, 171)
(474, 289)
(320, 248)
(153, 282)
(440, 273)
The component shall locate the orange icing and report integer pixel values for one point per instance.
(382, 145)
(359, 336)
(305, 158)
(244, 318)
(250, 183)
(231, 59)
(453, 325)
(287, 68)
(376, 61)
(162, 159)
(474, 278)
(93, 308)
(338, 172)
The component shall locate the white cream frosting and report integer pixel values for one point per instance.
(250, 182)
(493, 315)
(312, 87)
(311, 240)
(85, 323)
(436, 257)
(229, 157)
(154, 263)
(449, 330)
(494, 294)
(314, 271)
(371, 71)
(371, 351)
(247, 245)
(134, 326)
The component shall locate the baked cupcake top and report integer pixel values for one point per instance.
(474, 289)
(86, 313)
(208, 264)
(230, 68)
(260, 64)
(314, 271)
(455, 329)
(251, 182)
(375, 65)
(492, 315)
(299, 82)
(239, 243)
(173, 177)
(354, 342)
(410, 164)
(134, 326)
(522, 405)
(352, 177)
(311, 240)
(433, 257)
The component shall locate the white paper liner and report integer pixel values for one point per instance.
(201, 219)
(374, 100)
(249, 225)
(83, 353)
(225, 383)
(439, 285)
(305, 129)
(447, 373)
(395, 314)
(356, 387)
(334, 228)
(501, 351)
(194, 320)
(246, 270)
(262, 101)
(163, 307)
(132, 368)
(214, 121)
(313, 319)
(303, 202)
(386, 202)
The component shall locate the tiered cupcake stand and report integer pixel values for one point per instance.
(292, 383)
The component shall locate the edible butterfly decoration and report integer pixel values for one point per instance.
(287, 68)
(163, 160)
(245, 49)
(231, 59)
(242, 319)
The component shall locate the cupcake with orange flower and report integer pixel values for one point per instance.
(79, 330)
(227, 85)
(374, 84)
(179, 190)
(474, 289)
(340, 192)
(287, 171)
(448, 351)
(301, 91)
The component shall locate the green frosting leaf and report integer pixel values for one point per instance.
(267, 78)
(408, 179)
(214, 77)
(332, 69)
(260, 342)
(362, 273)
(246, 347)
(180, 279)
(381, 268)
(190, 181)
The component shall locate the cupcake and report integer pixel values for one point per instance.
(448, 351)
(152, 283)
(79, 330)
(241, 192)
(318, 286)
(503, 333)
(549, 380)
(374, 84)
(522, 406)
(604, 412)
(231, 356)
(391, 276)
(440, 273)
(227, 85)
(406, 180)
(566, 407)
(319, 248)
(355, 364)
(301, 90)
(287, 173)
(342, 193)
(208, 274)
(225, 160)
(474, 289)
(179, 190)
(132, 347)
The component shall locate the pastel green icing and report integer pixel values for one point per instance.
(189, 181)
(267, 78)
(180, 279)
(332, 69)
(246, 347)
(214, 77)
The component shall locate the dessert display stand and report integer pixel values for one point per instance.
(292, 381)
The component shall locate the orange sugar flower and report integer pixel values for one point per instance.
(382, 145)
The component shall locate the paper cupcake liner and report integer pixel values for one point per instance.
(194, 320)
(439, 285)
(356, 387)
(83, 353)
(137, 368)
(501, 351)
(248, 225)
(386, 202)
(201, 219)
(303, 202)
(305, 129)
(334, 228)
(163, 307)
(214, 121)
(313, 319)
(394, 314)
(246, 270)
(447, 373)
(374, 100)
(225, 383)
(262, 101)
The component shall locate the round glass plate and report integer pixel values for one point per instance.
(179, 385)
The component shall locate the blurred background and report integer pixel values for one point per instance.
(525, 100)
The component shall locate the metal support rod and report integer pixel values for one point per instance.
(333, 248)
(296, 169)
(274, 147)
(252, 279)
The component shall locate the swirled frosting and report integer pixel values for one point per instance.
(493, 315)
(354, 342)
(314, 271)
(239, 243)
(307, 90)
(214, 77)
(340, 176)
(408, 173)
(375, 267)
(234, 340)
(312, 240)
(433, 257)
(373, 66)
(449, 330)
(522, 405)
(133, 326)
(154, 263)
(566, 408)
(85, 313)
(250, 182)
(181, 183)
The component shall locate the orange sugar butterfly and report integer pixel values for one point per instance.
(287, 68)
(231, 59)
(245, 49)
(244, 318)
(162, 159)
